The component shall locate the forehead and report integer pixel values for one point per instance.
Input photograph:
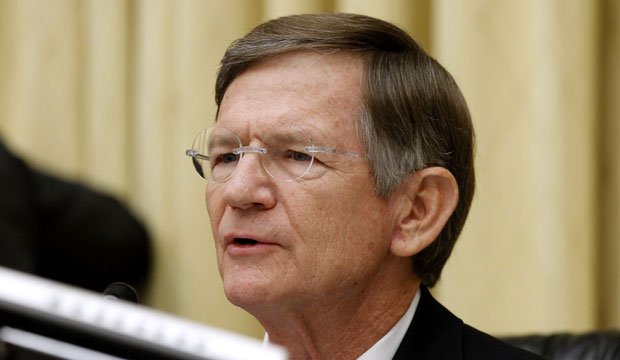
(319, 92)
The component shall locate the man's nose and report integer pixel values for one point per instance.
(250, 184)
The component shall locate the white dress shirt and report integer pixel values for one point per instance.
(387, 346)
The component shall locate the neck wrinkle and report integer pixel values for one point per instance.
(347, 326)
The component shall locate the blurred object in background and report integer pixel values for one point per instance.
(67, 232)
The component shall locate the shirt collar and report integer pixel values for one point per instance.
(387, 346)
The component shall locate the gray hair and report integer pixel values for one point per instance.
(413, 114)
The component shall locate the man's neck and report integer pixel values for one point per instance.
(346, 325)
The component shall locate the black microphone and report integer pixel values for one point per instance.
(120, 290)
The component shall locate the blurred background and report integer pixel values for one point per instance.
(110, 93)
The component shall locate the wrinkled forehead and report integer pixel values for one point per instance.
(317, 93)
(285, 134)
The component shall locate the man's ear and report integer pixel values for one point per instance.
(425, 202)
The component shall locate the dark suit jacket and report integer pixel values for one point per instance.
(66, 231)
(435, 333)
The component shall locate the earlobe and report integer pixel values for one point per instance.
(426, 201)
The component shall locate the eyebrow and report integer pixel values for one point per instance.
(221, 141)
(291, 137)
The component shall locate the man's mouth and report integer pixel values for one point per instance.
(245, 244)
(245, 241)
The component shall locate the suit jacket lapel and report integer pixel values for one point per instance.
(434, 333)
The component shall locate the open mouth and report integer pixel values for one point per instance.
(245, 241)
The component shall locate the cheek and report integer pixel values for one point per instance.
(342, 222)
(211, 199)
(215, 209)
(340, 248)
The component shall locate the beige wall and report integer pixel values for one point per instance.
(112, 92)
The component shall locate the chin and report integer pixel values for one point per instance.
(247, 291)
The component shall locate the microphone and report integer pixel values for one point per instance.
(122, 291)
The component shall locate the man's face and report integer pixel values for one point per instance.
(327, 235)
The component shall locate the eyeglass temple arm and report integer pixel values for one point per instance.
(314, 149)
(194, 153)
(323, 149)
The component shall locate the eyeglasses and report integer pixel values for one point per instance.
(285, 154)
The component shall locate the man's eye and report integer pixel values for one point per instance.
(299, 156)
(226, 158)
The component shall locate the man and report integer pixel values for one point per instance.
(340, 174)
